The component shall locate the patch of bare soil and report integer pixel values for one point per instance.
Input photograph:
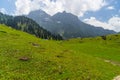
(117, 78)
(113, 62)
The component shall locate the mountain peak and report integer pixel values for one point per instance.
(39, 13)
(64, 12)
(65, 17)
(1, 13)
(68, 25)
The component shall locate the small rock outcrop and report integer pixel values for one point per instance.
(24, 58)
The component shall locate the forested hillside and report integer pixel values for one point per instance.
(27, 25)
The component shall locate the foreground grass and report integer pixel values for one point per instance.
(75, 59)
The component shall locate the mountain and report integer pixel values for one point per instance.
(43, 19)
(28, 25)
(67, 25)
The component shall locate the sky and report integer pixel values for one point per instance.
(100, 13)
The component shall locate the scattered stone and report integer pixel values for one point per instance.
(24, 58)
(34, 44)
(59, 56)
(107, 61)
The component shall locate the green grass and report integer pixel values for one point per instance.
(97, 47)
(73, 59)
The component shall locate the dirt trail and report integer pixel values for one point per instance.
(113, 62)
(117, 78)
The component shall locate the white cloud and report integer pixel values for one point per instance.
(112, 24)
(26, 6)
(3, 10)
(77, 7)
(22, 7)
(52, 7)
(115, 21)
(110, 8)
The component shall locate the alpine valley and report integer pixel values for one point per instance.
(38, 46)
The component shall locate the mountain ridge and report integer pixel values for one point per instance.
(68, 25)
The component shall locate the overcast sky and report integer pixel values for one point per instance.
(101, 13)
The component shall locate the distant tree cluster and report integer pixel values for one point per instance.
(27, 25)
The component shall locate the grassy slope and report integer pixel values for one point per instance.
(105, 49)
(55, 60)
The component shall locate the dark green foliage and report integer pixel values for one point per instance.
(27, 25)
(103, 37)
(3, 31)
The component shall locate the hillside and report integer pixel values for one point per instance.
(25, 57)
(67, 25)
(27, 25)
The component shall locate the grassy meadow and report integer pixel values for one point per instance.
(25, 57)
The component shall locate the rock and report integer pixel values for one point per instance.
(34, 44)
(59, 56)
(24, 58)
